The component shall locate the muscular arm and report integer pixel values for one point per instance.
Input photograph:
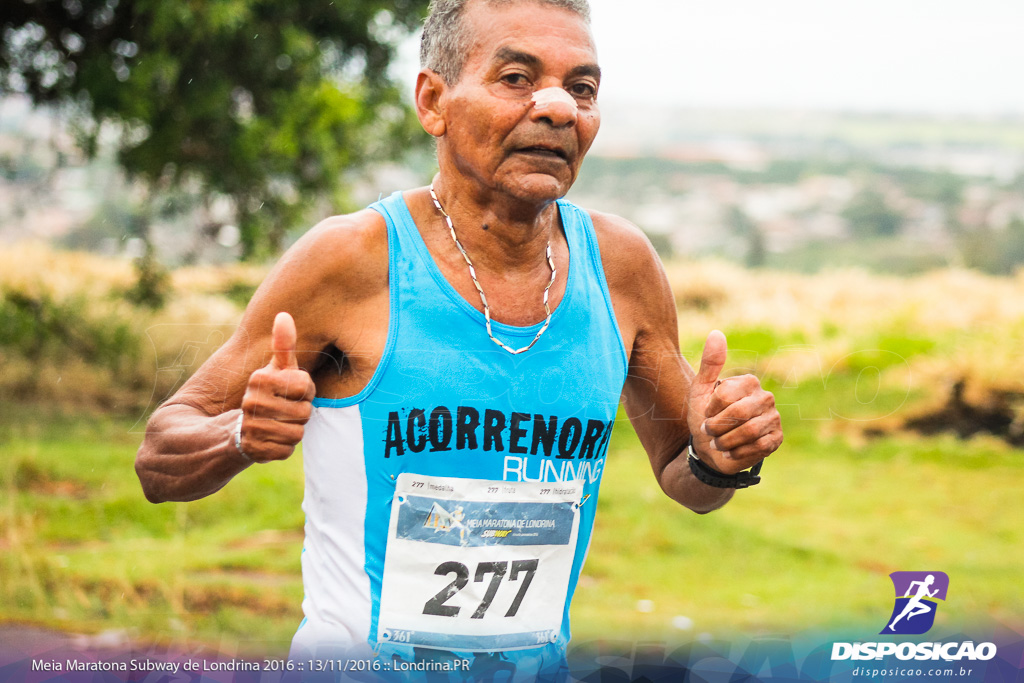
(189, 451)
(664, 398)
(654, 398)
(659, 380)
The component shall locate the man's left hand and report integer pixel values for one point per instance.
(733, 421)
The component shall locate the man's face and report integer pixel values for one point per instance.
(494, 133)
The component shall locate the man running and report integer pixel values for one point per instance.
(464, 347)
(916, 605)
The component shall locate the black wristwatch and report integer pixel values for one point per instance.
(712, 477)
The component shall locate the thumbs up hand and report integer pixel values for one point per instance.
(733, 421)
(282, 342)
(278, 399)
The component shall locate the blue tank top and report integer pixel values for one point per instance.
(450, 503)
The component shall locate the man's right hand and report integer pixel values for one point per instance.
(278, 399)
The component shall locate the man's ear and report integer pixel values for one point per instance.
(429, 89)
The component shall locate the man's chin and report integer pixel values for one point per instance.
(539, 187)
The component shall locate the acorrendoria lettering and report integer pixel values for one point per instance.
(418, 430)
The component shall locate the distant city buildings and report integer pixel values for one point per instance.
(751, 186)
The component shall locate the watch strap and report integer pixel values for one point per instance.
(712, 477)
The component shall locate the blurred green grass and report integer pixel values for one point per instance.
(809, 548)
(83, 551)
(851, 497)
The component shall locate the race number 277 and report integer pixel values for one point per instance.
(497, 570)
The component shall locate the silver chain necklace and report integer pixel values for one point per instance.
(483, 298)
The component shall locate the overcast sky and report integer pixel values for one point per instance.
(938, 56)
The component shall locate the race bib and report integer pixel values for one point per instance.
(477, 565)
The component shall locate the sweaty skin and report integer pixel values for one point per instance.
(509, 144)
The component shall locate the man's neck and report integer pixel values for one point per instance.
(500, 232)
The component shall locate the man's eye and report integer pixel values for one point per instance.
(583, 90)
(515, 79)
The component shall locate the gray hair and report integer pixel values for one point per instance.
(445, 42)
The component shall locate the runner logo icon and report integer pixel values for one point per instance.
(917, 594)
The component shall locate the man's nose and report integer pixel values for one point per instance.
(555, 105)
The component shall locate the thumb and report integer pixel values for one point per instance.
(713, 359)
(282, 342)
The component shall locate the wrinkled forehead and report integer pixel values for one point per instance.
(497, 30)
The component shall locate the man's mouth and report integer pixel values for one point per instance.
(551, 152)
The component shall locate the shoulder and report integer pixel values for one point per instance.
(349, 251)
(631, 265)
(625, 250)
(331, 271)
(640, 291)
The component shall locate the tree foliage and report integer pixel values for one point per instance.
(870, 215)
(263, 101)
(998, 251)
